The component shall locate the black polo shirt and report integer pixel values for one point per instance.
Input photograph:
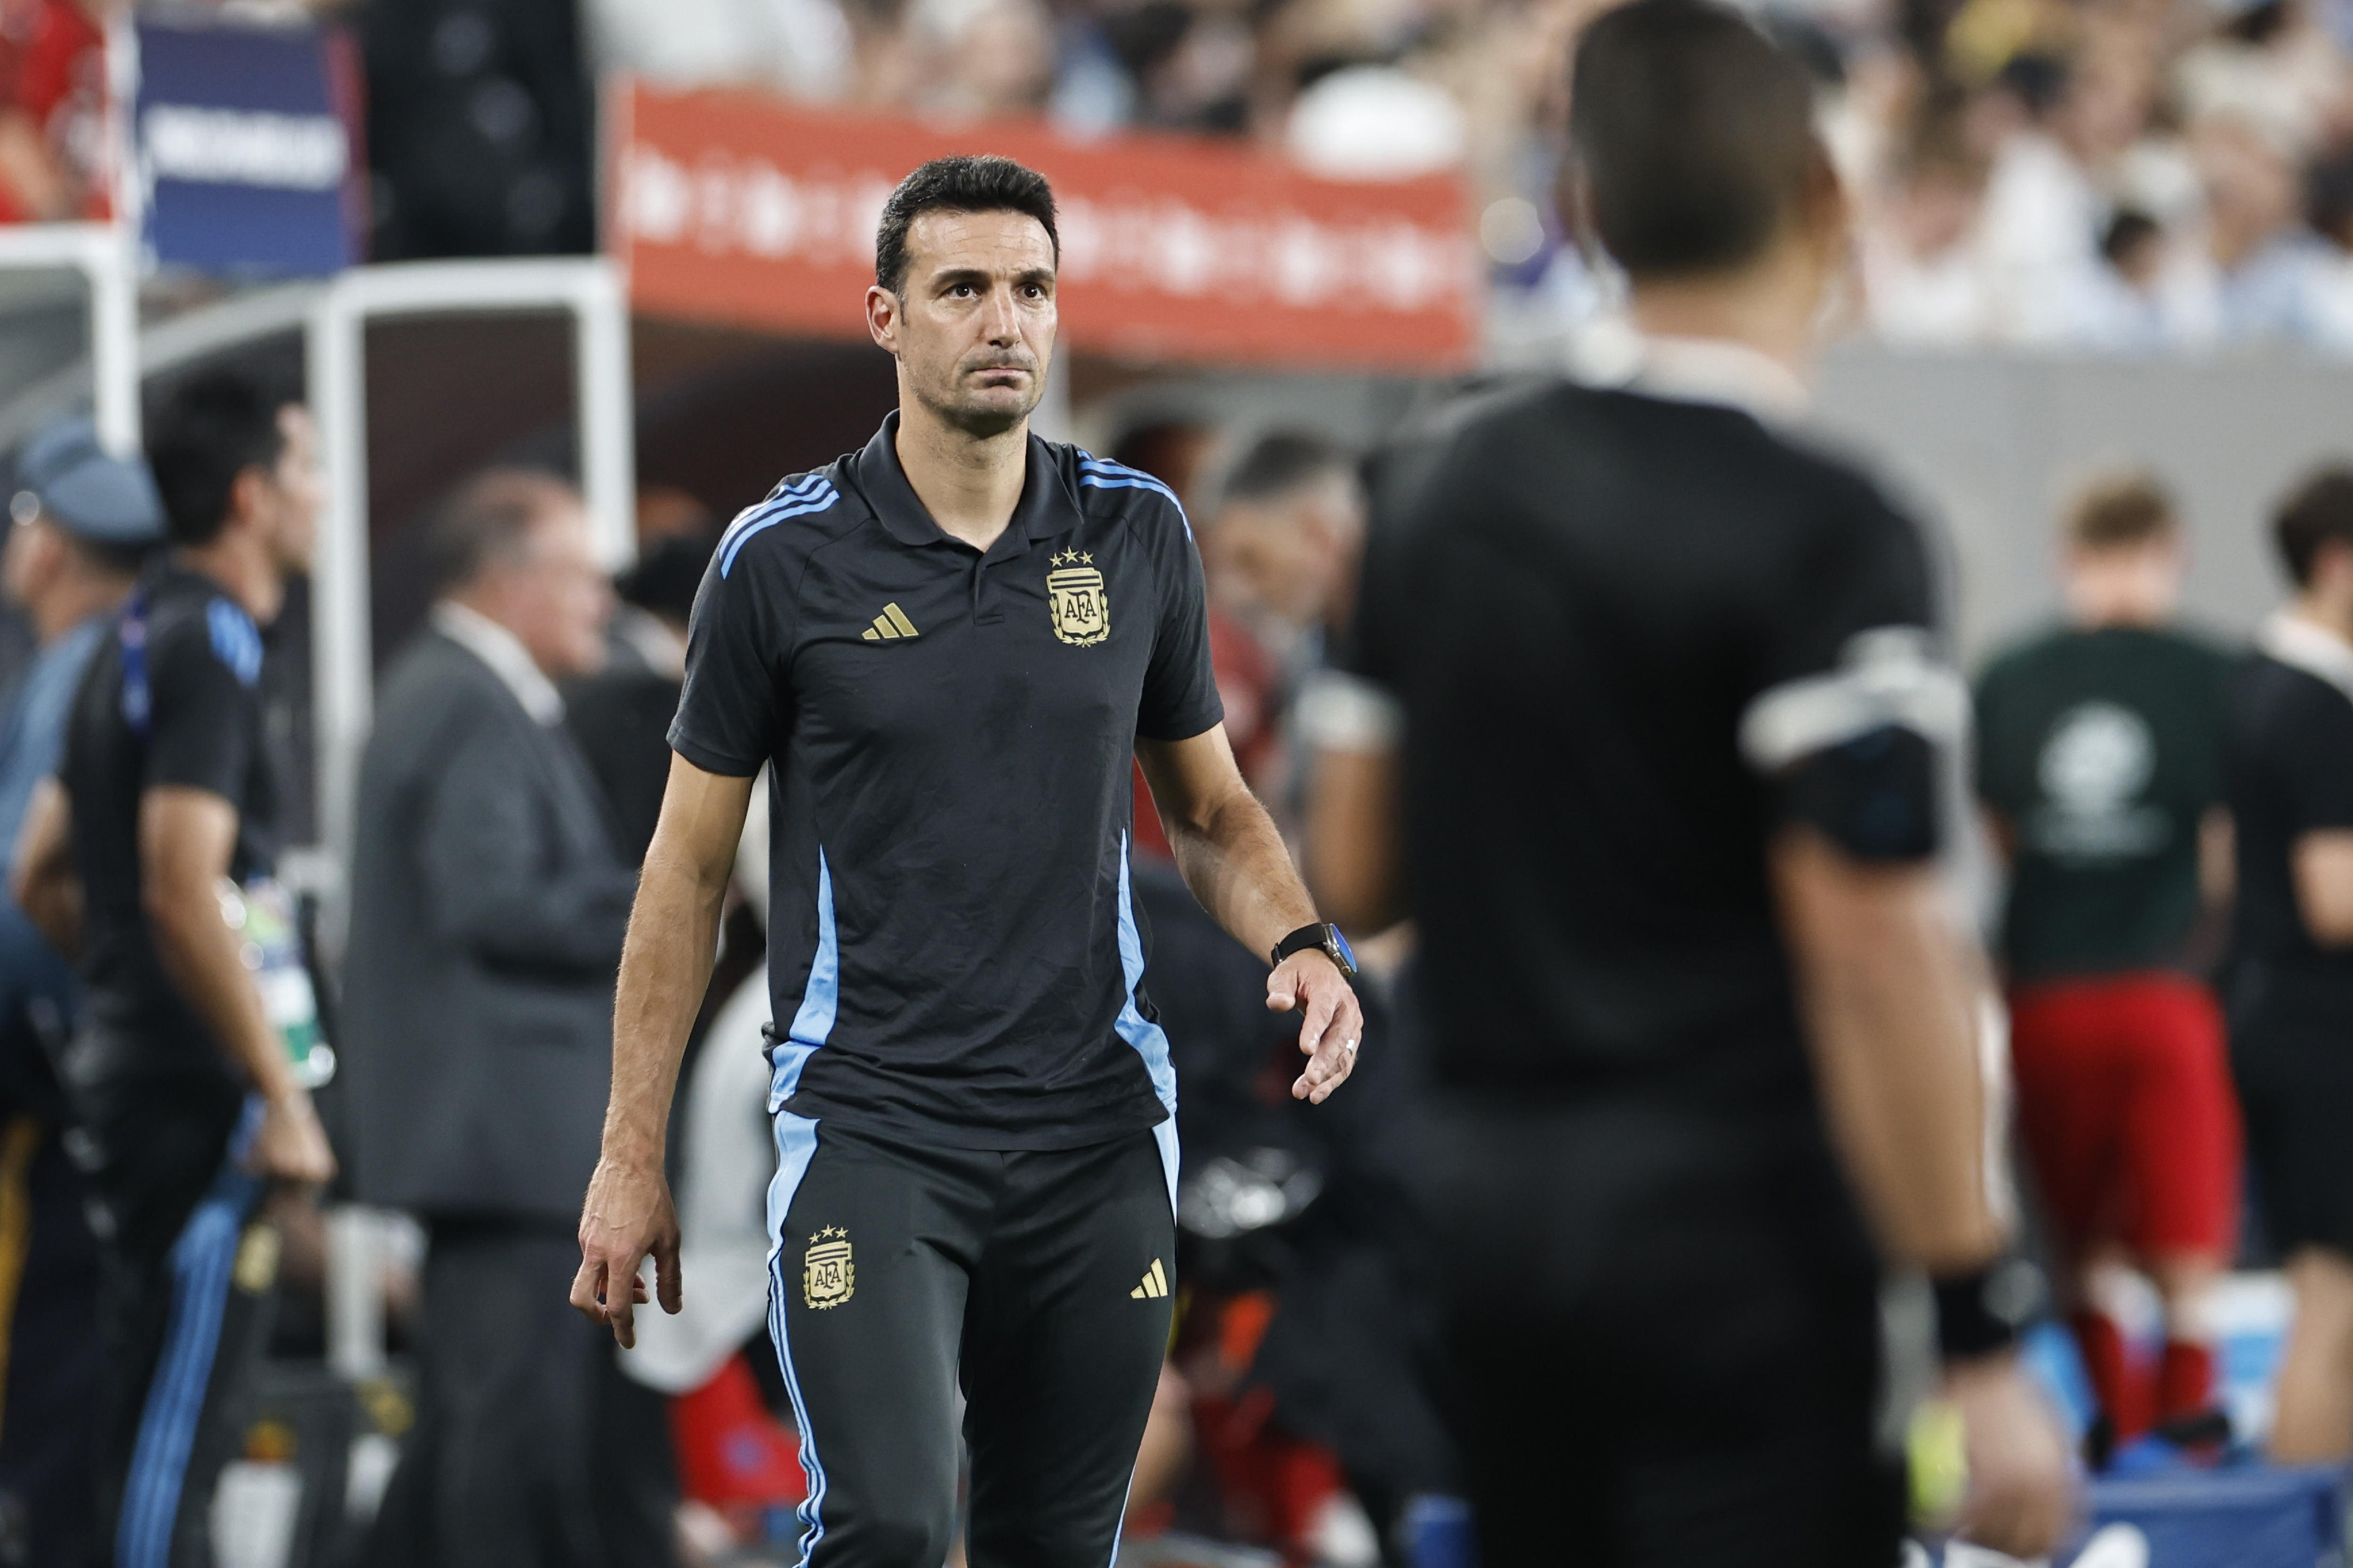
(177, 701)
(954, 954)
(1632, 635)
(2289, 760)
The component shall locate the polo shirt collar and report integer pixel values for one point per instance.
(1721, 371)
(1047, 508)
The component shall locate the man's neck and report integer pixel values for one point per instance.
(236, 561)
(69, 604)
(2330, 615)
(970, 483)
(1764, 309)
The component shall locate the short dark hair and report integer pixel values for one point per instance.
(963, 184)
(2319, 511)
(206, 431)
(487, 519)
(1693, 136)
(2117, 511)
(1282, 461)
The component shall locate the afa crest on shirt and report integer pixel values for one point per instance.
(1075, 595)
(828, 1277)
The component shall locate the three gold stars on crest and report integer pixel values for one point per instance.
(1074, 557)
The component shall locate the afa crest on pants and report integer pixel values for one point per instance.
(1076, 596)
(829, 1278)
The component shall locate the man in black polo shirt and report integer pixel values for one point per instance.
(1673, 707)
(949, 645)
(186, 1076)
(2289, 764)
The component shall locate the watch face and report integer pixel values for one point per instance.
(1347, 954)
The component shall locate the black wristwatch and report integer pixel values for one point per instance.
(1323, 934)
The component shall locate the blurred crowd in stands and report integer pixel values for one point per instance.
(2121, 176)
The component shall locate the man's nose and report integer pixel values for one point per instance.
(1002, 317)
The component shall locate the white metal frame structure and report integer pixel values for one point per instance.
(591, 290)
(101, 254)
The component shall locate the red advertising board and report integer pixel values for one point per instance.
(737, 209)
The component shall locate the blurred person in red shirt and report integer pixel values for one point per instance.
(52, 108)
(2100, 765)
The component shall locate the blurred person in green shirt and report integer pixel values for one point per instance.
(2100, 766)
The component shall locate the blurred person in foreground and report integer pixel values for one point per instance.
(2100, 766)
(488, 906)
(2290, 993)
(1702, 1020)
(948, 645)
(84, 521)
(151, 857)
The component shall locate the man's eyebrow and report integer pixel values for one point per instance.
(953, 276)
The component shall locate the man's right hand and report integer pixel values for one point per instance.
(2021, 1488)
(628, 1219)
(290, 1145)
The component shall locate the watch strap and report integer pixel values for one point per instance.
(1317, 936)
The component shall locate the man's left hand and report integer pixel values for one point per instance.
(1332, 1021)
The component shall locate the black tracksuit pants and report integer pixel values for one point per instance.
(1664, 1324)
(190, 1290)
(1038, 1281)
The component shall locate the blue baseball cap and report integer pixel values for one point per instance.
(63, 473)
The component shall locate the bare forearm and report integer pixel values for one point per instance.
(665, 967)
(1236, 864)
(1891, 1017)
(51, 899)
(199, 954)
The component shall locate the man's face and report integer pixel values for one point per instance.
(2137, 582)
(1284, 557)
(293, 491)
(552, 595)
(973, 323)
(31, 559)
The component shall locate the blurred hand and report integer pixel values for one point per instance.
(2021, 1488)
(628, 1219)
(1332, 1024)
(290, 1145)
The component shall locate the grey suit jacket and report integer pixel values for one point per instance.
(487, 907)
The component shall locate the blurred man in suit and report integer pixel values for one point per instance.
(488, 909)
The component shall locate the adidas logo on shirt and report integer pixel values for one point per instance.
(1155, 1283)
(891, 625)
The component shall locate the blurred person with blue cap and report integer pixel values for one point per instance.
(83, 522)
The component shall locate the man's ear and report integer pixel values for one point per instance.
(247, 494)
(882, 319)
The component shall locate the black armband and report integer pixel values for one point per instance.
(1982, 1312)
(1875, 796)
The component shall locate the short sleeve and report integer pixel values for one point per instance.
(1180, 682)
(2316, 767)
(206, 708)
(735, 660)
(1852, 701)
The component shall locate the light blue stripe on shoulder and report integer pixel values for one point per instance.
(820, 498)
(1097, 473)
